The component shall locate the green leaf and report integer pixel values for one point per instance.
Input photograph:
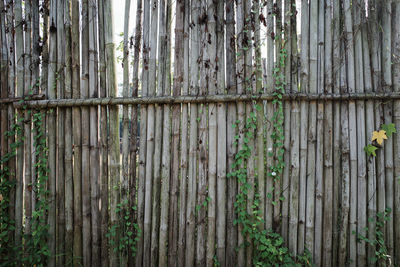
(370, 150)
(389, 128)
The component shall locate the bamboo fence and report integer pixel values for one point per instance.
(165, 143)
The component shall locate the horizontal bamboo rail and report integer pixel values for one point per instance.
(193, 99)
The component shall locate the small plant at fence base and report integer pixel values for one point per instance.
(127, 231)
(35, 250)
(381, 251)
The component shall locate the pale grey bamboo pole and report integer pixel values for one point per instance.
(240, 67)
(193, 160)
(162, 49)
(312, 131)
(124, 188)
(150, 135)
(134, 121)
(222, 140)
(361, 135)
(69, 186)
(388, 111)
(336, 130)
(84, 93)
(212, 130)
(269, 110)
(284, 190)
(328, 181)
(319, 161)
(184, 141)
(143, 132)
(166, 147)
(370, 127)
(27, 117)
(396, 121)
(19, 53)
(304, 87)
(77, 134)
(3, 81)
(231, 228)
(60, 239)
(114, 156)
(94, 133)
(349, 49)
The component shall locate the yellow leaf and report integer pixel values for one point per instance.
(379, 136)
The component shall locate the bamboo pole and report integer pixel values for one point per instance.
(150, 136)
(336, 61)
(3, 82)
(134, 119)
(231, 228)
(166, 148)
(304, 76)
(60, 239)
(312, 130)
(84, 93)
(202, 150)
(319, 168)
(19, 53)
(77, 135)
(184, 142)
(361, 136)
(192, 167)
(114, 145)
(328, 181)
(162, 50)
(143, 132)
(93, 138)
(388, 111)
(69, 186)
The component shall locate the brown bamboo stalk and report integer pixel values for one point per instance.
(3, 81)
(143, 131)
(304, 72)
(77, 135)
(166, 148)
(85, 77)
(184, 144)
(69, 186)
(19, 46)
(150, 135)
(114, 145)
(60, 239)
(231, 228)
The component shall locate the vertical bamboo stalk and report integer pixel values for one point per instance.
(150, 135)
(328, 142)
(319, 168)
(192, 168)
(361, 136)
(166, 148)
(269, 208)
(77, 135)
(51, 93)
(388, 111)
(184, 138)
(336, 130)
(3, 82)
(114, 146)
(93, 138)
(294, 136)
(202, 150)
(69, 186)
(134, 120)
(396, 121)
(312, 131)
(161, 82)
(143, 132)
(19, 53)
(60, 135)
(231, 228)
(85, 77)
(304, 87)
